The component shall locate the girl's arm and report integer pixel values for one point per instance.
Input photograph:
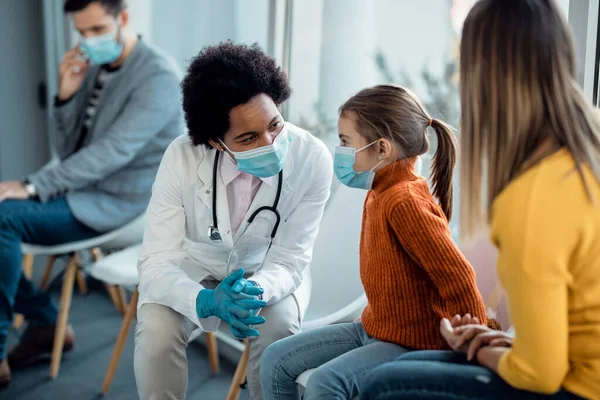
(423, 231)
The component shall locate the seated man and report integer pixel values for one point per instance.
(117, 110)
(244, 189)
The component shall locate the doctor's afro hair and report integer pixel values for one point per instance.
(222, 77)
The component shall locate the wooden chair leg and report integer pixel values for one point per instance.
(47, 272)
(27, 271)
(115, 297)
(213, 352)
(122, 298)
(63, 315)
(81, 282)
(120, 344)
(240, 374)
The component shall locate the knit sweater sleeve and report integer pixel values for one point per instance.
(423, 231)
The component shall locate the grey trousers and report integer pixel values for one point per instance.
(161, 338)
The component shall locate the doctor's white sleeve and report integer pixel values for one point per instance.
(162, 280)
(291, 252)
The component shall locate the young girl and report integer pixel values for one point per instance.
(412, 271)
(526, 123)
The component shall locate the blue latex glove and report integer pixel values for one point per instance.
(237, 309)
(243, 285)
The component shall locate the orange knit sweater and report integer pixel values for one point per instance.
(412, 271)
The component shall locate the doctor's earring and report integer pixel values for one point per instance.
(380, 157)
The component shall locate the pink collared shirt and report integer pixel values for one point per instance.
(241, 190)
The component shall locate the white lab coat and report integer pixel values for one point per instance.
(177, 254)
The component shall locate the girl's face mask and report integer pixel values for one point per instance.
(343, 165)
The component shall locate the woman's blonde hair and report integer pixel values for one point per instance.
(395, 113)
(518, 90)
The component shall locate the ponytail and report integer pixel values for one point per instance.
(443, 166)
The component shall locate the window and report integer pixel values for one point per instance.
(183, 27)
(341, 46)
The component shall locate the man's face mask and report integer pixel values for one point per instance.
(104, 49)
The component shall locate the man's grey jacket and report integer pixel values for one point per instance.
(108, 182)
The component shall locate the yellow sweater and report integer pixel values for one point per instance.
(548, 235)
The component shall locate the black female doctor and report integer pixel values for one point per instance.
(242, 190)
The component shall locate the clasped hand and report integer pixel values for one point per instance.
(234, 301)
(465, 335)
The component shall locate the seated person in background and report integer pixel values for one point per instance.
(526, 123)
(239, 157)
(117, 109)
(412, 272)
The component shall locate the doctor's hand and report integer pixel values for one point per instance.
(237, 309)
(248, 287)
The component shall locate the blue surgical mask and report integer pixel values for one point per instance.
(343, 166)
(102, 49)
(265, 161)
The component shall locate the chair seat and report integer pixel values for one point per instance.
(122, 237)
(64, 248)
(119, 268)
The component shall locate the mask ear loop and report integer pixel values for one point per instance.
(380, 158)
(367, 146)
(379, 163)
(233, 160)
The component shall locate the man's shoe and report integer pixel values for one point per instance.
(4, 374)
(36, 345)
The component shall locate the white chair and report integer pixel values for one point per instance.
(125, 236)
(120, 269)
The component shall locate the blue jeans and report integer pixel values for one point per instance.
(342, 354)
(32, 222)
(443, 375)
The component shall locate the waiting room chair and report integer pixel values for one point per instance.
(120, 269)
(125, 236)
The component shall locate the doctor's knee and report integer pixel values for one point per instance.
(159, 331)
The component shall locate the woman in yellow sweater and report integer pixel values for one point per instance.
(528, 132)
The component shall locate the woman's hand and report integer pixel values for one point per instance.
(453, 338)
(467, 338)
(491, 338)
(450, 331)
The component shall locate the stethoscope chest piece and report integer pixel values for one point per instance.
(214, 234)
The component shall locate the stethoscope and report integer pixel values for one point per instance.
(213, 229)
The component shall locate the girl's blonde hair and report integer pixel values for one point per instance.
(395, 113)
(518, 91)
